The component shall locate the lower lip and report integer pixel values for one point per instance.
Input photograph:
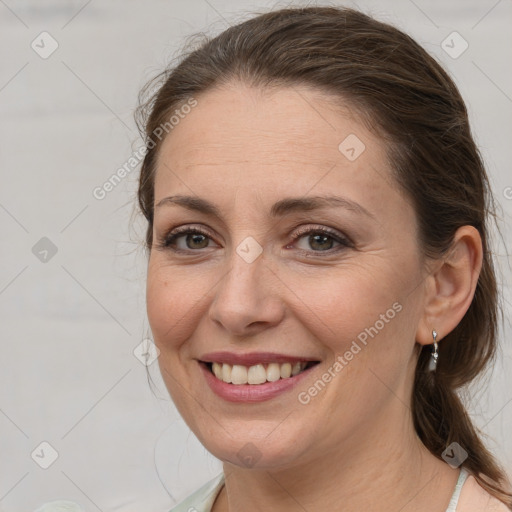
(251, 392)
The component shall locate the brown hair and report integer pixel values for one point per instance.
(404, 93)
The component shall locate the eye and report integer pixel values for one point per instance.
(321, 239)
(186, 238)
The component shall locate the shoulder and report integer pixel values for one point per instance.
(474, 498)
(202, 500)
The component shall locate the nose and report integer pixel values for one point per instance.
(247, 298)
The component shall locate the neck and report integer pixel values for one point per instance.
(385, 470)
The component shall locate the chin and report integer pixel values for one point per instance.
(253, 445)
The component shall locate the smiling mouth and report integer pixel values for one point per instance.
(259, 373)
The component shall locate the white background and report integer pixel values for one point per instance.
(69, 326)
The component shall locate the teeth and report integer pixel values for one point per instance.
(296, 368)
(217, 370)
(286, 370)
(238, 374)
(273, 372)
(226, 372)
(257, 374)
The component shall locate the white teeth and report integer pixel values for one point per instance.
(239, 374)
(296, 369)
(273, 372)
(226, 373)
(217, 370)
(286, 370)
(256, 374)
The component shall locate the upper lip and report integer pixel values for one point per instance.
(252, 358)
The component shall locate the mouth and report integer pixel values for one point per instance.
(257, 374)
(254, 376)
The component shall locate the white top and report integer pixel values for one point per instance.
(474, 498)
(202, 500)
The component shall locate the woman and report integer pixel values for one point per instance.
(319, 280)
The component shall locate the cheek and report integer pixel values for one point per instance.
(171, 306)
(366, 322)
(365, 316)
(345, 302)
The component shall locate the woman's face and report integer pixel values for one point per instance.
(279, 276)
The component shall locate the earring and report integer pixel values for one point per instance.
(435, 354)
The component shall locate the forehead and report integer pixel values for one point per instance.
(272, 142)
(291, 121)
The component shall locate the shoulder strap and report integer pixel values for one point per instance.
(452, 507)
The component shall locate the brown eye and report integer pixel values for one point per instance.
(195, 241)
(321, 240)
(186, 239)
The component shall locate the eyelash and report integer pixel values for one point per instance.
(169, 240)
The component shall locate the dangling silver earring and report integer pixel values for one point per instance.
(435, 354)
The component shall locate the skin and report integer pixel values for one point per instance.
(243, 149)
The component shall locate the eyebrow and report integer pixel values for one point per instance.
(279, 209)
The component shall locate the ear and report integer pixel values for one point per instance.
(451, 286)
